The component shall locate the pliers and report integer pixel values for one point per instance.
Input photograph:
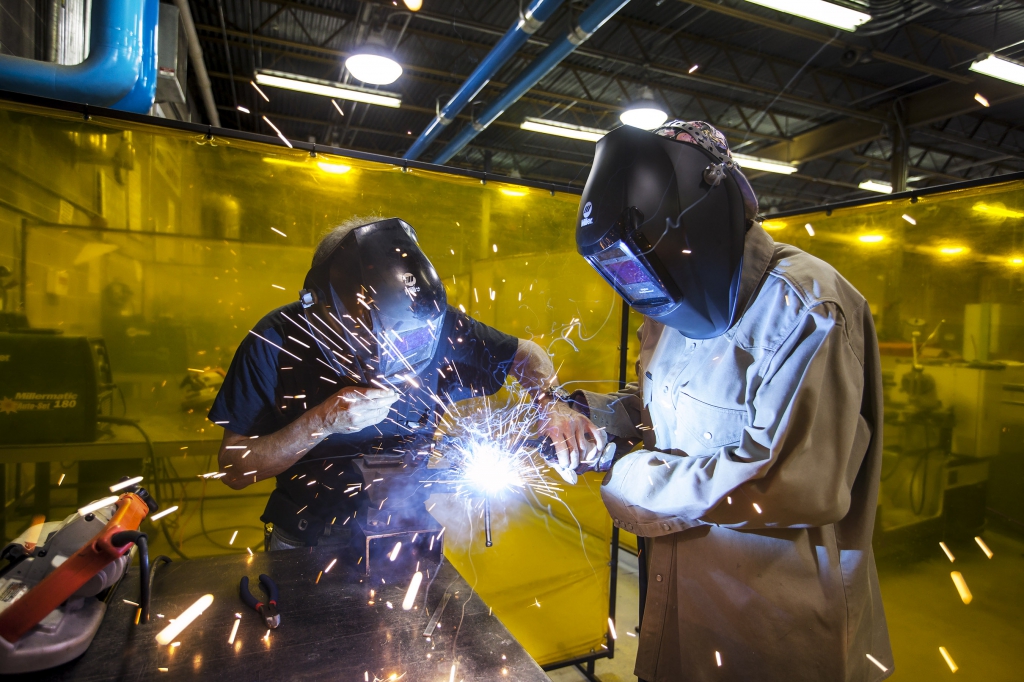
(268, 610)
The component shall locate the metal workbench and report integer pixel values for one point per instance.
(329, 630)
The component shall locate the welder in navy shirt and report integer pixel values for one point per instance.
(356, 367)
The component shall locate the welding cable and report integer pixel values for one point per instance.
(154, 564)
(141, 541)
(153, 467)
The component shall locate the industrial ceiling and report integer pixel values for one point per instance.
(833, 102)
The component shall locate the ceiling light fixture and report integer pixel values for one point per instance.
(1001, 68)
(374, 62)
(313, 86)
(981, 99)
(871, 239)
(414, 5)
(909, 219)
(644, 113)
(767, 165)
(548, 127)
(876, 186)
(819, 11)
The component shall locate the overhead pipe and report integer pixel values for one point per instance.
(195, 53)
(536, 14)
(592, 19)
(140, 98)
(111, 71)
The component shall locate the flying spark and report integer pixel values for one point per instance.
(165, 512)
(279, 133)
(961, 586)
(984, 547)
(97, 505)
(175, 627)
(949, 659)
(125, 484)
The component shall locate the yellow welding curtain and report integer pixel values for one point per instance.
(177, 244)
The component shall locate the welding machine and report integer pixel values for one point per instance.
(49, 387)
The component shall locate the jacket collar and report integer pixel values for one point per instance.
(758, 250)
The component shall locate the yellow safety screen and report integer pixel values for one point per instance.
(171, 246)
(945, 279)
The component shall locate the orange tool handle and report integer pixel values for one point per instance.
(62, 582)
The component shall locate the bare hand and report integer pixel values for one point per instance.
(576, 439)
(353, 409)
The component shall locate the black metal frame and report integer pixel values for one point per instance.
(911, 195)
(88, 111)
(590, 660)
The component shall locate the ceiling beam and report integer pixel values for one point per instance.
(434, 76)
(924, 107)
(808, 34)
(713, 82)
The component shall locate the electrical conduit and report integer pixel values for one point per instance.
(195, 53)
(111, 71)
(538, 12)
(591, 20)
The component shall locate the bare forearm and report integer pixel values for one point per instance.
(532, 367)
(246, 460)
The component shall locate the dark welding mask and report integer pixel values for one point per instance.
(664, 222)
(375, 304)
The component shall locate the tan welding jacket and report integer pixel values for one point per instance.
(758, 483)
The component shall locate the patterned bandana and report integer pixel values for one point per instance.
(711, 139)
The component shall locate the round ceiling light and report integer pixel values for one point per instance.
(647, 116)
(376, 69)
(645, 112)
(414, 5)
(374, 63)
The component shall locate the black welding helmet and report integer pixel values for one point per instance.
(377, 299)
(663, 219)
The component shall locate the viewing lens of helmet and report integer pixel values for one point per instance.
(631, 277)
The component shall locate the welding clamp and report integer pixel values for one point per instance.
(267, 610)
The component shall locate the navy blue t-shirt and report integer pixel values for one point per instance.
(267, 388)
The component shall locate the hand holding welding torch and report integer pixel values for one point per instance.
(576, 440)
(354, 408)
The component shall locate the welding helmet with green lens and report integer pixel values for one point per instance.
(376, 304)
(663, 221)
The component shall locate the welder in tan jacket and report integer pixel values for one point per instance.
(759, 408)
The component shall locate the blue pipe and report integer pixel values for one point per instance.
(140, 98)
(109, 72)
(592, 19)
(538, 12)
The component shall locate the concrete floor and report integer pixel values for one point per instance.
(923, 608)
